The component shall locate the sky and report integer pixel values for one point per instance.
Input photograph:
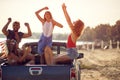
(91, 12)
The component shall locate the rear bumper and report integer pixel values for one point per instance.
(58, 72)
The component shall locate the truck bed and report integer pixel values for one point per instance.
(60, 71)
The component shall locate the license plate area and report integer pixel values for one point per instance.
(35, 70)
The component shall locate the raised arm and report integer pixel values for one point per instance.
(4, 30)
(67, 16)
(29, 31)
(38, 16)
(57, 24)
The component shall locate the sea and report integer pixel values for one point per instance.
(36, 40)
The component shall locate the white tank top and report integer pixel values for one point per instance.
(47, 29)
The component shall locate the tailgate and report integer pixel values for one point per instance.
(58, 72)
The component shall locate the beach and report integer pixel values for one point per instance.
(100, 64)
(97, 64)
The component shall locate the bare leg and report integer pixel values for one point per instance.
(31, 58)
(61, 58)
(48, 55)
(26, 51)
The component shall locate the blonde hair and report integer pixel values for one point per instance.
(78, 28)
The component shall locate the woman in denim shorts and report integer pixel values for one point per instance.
(45, 42)
(76, 31)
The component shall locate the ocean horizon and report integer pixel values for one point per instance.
(36, 40)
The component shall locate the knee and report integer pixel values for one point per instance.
(27, 49)
(47, 49)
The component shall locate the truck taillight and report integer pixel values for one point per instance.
(72, 74)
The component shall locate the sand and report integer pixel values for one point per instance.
(100, 64)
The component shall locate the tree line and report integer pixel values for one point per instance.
(102, 32)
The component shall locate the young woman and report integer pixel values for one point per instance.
(45, 42)
(76, 31)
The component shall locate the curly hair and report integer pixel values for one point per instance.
(78, 27)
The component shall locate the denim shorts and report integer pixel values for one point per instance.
(72, 53)
(43, 42)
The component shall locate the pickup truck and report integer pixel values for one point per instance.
(62, 71)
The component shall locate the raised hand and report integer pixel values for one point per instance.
(63, 5)
(26, 24)
(46, 8)
(9, 19)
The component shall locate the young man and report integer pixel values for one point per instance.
(14, 37)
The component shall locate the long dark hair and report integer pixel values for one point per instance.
(12, 46)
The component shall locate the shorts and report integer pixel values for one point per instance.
(43, 42)
(72, 53)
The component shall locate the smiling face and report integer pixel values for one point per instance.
(47, 15)
(16, 26)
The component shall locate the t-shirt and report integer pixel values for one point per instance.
(11, 35)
